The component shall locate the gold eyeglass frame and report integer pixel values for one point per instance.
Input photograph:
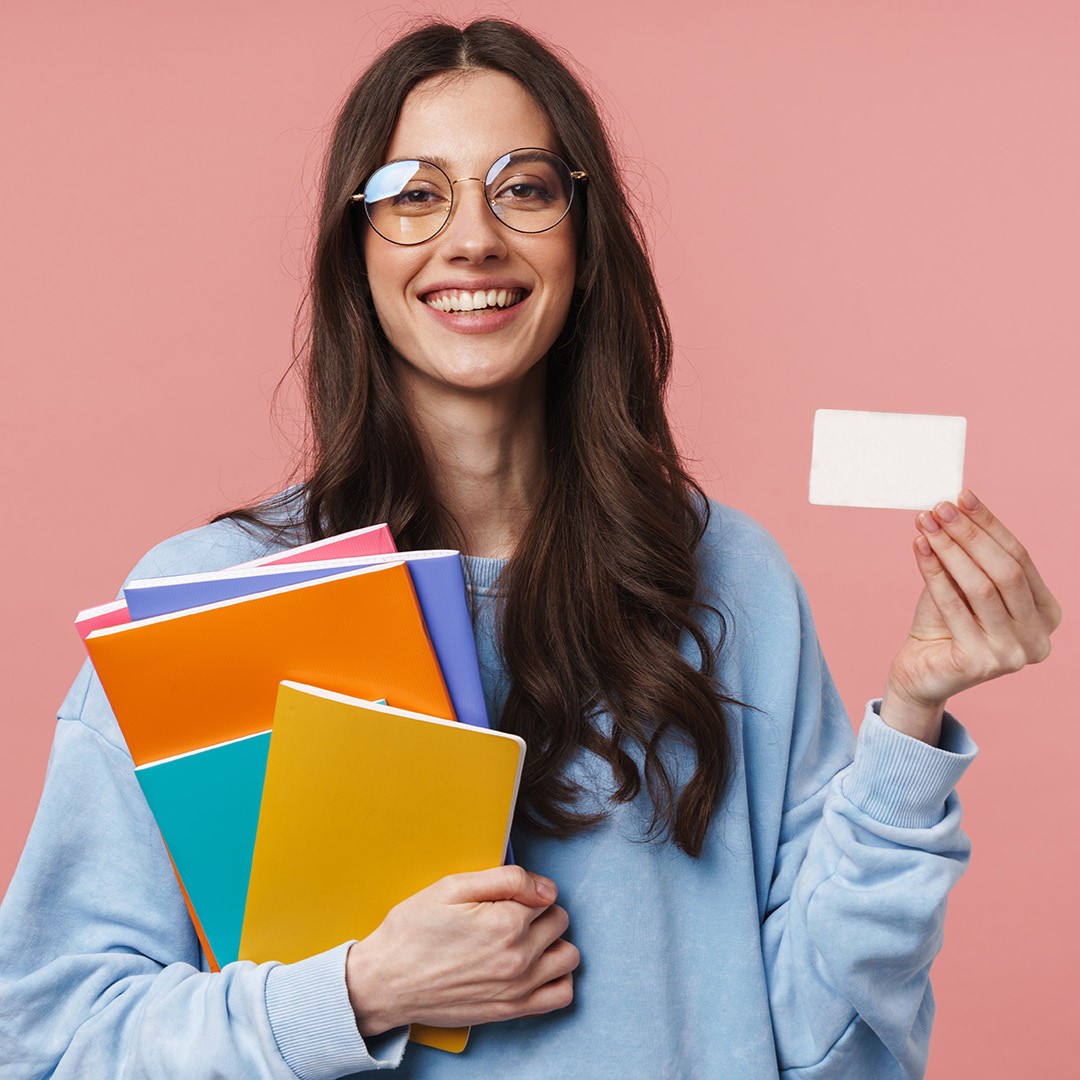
(575, 175)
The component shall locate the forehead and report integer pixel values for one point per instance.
(465, 121)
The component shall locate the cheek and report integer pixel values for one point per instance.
(388, 275)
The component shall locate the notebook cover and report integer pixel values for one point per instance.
(371, 540)
(207, 675)
(416, 798)
(206, 804)
(437, 577)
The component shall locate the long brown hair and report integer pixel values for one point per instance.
(604, 585)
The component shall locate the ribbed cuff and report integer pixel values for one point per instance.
(902, 781)
(314, 1024)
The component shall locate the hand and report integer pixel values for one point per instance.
(469, 949)
(984, 612)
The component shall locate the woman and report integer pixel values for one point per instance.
(746, 893)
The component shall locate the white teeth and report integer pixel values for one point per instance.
(481, 299)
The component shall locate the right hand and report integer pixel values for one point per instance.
(469, 949)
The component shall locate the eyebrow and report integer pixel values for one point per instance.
(433, 158)
(447, 167)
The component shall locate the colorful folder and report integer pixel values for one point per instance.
(440, 588)
(206, 804)
(363, 806)
(210, 674)
(371, 540)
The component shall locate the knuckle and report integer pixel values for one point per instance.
(503, 922)
(506, 1010)
(573, 956)
(965, 529)
(511, 964)
(1014, 578)
(516, 877)
(563, 992)
(941, 540)
(1040, 651)
(561, 917)
(448, 886)
(985, 592)
(933, 569)
(953, 605)
(1015, 659)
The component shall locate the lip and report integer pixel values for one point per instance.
(473, 285)
(487, 321)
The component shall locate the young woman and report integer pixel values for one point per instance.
(742, 891)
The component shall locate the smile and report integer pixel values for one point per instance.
(480, 300)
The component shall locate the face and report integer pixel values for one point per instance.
(465, 123)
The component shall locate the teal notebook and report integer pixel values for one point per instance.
(206, 804)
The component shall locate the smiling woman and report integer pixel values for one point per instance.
(744, 889)
(431, 298)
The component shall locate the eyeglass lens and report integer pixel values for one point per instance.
(408, 202)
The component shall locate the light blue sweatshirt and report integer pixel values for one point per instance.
(798, 945)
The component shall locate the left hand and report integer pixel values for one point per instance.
(984, 612)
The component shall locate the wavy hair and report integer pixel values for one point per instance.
(603, 585)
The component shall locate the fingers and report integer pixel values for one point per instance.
(992, 580)
(556, 994)
(981, 516)
(549, 976)
(547, 929)
(554, 963)
(500, 883)
(986, 588)
(954, 611)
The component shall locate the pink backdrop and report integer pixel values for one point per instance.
(853, 204)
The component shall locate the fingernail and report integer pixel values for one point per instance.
(968, 501)
(946, 511)
(928, 523)
(546, 889)
(924, 546)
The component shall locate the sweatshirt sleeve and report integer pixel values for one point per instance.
(101, 974)
(868, 845)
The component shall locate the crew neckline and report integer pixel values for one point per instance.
(482, 572)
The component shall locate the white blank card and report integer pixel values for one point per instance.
(906, 461)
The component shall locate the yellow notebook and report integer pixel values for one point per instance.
(364, 805)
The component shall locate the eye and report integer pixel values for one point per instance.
(524, 192)
(418, 197)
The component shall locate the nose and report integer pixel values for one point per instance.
(473, 232)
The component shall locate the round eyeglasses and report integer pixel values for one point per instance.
(529, 190)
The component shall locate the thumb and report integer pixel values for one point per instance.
(500, 883)
(927, 622)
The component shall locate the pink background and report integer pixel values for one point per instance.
(853, 204)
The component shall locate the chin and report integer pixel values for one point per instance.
(471, 374)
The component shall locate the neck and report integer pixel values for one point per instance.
(485, 451)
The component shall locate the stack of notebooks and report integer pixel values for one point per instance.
(310, 732)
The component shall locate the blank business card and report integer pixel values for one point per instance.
(905, 461)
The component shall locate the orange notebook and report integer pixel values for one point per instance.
(194, 678)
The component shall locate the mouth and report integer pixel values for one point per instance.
(479, 300)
